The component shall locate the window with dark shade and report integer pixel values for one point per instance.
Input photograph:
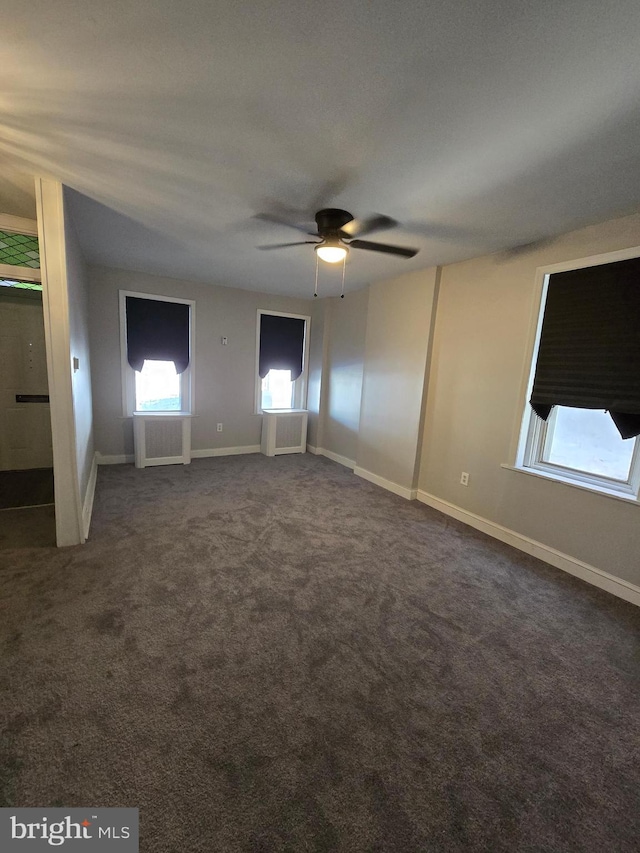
(589, 353)
(281, 345)
(583, 416)
(157, 331)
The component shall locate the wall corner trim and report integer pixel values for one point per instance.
(592, 575)
(396, 488)
(87, 506)
(335, 457)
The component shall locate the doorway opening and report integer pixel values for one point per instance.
(27, 515)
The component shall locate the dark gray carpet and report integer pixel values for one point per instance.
(31, 487)
(274, 655)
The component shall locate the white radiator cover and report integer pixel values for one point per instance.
(162, 439)
(284, 431)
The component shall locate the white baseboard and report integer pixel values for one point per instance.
(127, 458)
(87, 507)
(335, 457)
(225, 451)
(403, 491)
(597, 577)
(122, 459)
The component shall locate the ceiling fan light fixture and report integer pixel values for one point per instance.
(332, 251)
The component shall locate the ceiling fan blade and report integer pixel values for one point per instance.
(286, 245)
(401, 251)
(276, 220)
(361, 227)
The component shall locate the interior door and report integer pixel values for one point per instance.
(25, 427)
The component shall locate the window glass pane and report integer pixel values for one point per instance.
(587, 440)
(20, 285)
(157, 387)
(277, 390)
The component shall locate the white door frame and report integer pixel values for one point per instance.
(55, 303)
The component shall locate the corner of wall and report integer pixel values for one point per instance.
(56, 309)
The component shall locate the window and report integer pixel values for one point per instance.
(282, 346)
(19, 250)
(156, 339)
(583, 446)
(157, 387)
(19, 254)
(20, 285)
(583, 411)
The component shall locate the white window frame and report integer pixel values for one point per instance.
(534, 432)
(301, 383)
(187, 397)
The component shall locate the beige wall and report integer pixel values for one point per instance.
(224, 375)
(317, 357)
(480, 355)
(397, 343)
(344, 364)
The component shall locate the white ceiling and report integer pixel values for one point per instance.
(478, 125)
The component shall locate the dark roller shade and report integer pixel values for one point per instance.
(589, 356)
(281, 344)
(157, 330)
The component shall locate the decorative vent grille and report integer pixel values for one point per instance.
(162, 440)
(288, 430)
(284, 431)
(19, 250)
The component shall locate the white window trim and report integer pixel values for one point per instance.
(187, 396)
(301, 383)
(531, 430)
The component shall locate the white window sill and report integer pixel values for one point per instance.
(556, 478)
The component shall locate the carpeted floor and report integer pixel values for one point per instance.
(275, 655)
(27, 527)
(31, 487)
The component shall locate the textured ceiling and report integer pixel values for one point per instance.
(477, 125)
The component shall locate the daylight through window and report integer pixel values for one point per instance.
(157, 353)
(584, 379)
(157, 387)
(281, 360)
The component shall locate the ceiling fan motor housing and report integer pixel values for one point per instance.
(330, 220)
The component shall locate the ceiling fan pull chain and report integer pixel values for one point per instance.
(315, 290)
(344, 266)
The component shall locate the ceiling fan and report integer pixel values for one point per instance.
(339, 231)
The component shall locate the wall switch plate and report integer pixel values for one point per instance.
(76, 364)
(225, 341)
(464, 478)
(219, 428)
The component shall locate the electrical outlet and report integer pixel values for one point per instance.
(464, 478)
(219, 427)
